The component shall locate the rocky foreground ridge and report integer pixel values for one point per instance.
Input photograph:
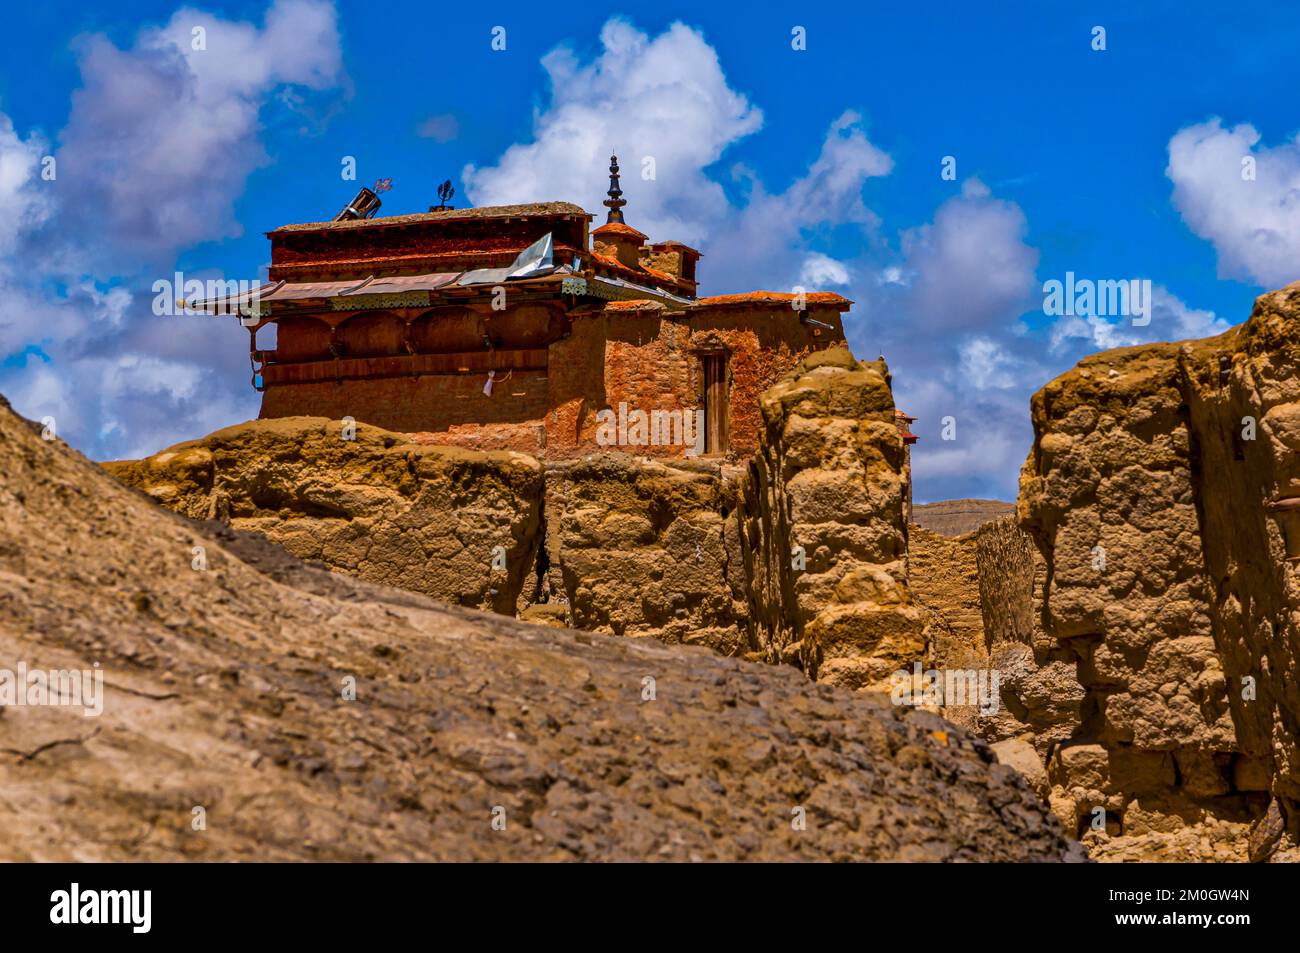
(227, 730)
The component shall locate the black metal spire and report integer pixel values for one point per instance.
(615, 202)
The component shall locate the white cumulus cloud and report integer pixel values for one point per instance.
(1170, 320)
(25, 197)
(971, 268)
(162, 136)
(662, 104)
(947, 315)
(160, 140)
(770, 235)
(1253, 223)
(820, 271)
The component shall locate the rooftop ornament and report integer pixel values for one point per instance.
(366, 204)
(615, 202)
(445, 192)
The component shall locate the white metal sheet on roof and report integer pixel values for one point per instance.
(535, 260)
(383, 286)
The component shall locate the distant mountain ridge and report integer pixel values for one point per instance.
(956, 517)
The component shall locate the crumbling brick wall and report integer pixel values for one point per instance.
(1158, 491)
(511, 418)
(636, 353)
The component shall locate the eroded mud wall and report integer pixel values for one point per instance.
(801, 557)
(1159, 492)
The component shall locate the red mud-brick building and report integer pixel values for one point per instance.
(514, 327)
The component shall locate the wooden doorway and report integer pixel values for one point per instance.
(716, 411)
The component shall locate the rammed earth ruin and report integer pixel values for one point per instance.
(508, 371)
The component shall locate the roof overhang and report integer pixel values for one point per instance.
(616, 289)
(254, 301)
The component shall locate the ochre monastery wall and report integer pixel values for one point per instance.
(638, 353)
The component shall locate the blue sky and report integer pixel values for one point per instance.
(814, 167)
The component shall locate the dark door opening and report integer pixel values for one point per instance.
(715, 402)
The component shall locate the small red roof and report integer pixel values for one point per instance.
(639, 271)
(823, 298)
(634, 305)
(620, 229)
(674, 243)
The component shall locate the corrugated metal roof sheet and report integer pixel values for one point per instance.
(298, 290)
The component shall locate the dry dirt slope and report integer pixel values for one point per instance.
(224, 693)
